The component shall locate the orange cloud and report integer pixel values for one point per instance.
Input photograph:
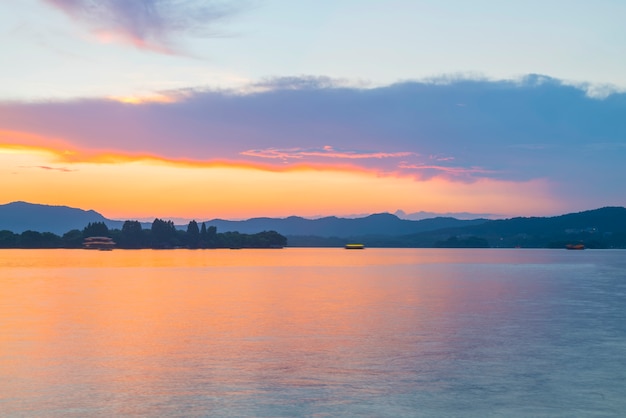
(20, 140)
(35, 144)
(140, 186)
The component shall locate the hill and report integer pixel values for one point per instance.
(22, 216)
(377, 224)
(597, 228)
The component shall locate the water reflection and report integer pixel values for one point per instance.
(280, 332)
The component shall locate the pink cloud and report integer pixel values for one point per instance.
(146, 24)
(324, 152)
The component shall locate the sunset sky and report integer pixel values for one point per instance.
(237, 109)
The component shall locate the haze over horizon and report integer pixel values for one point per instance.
(253, 108)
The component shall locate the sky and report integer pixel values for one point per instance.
(245, 108)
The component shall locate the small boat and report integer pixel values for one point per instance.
(575, 247)
(98, 243)
(354, 246)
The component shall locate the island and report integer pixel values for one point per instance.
(161, 235)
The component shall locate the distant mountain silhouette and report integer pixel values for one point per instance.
(598, 228)
(608, 219)
(417, 216)
(22, 216)
(377, 224)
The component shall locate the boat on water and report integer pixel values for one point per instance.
(99, 243)
(354, 246)
(575, 247)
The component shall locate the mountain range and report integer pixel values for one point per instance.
(598, 228)
(21, 216)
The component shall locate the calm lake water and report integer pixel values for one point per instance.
(313, 332)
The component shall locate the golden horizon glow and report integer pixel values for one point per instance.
(143, 99)
(123, 186)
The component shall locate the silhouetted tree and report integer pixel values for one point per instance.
(268, 239)
(181, 237)
(116, 235)
(193, 235)
(8, 239)
(163, 234)
(30, 239)
(211, 237)
(203, 236)
(73, 239)
(96, 229)
(132, 235)
(34, 239)
(231, 239)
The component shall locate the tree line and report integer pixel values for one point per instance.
(161, 235)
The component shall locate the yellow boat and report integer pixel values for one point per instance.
(354, 246)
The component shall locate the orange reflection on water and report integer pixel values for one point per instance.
(126, 329)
